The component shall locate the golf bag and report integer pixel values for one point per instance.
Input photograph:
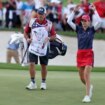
(57, 47)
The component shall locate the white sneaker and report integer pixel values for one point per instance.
(43, 86)
(24, 64)
(86, 99)
(31, 86)
(91, 91)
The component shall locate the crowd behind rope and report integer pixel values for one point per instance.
(16, 13)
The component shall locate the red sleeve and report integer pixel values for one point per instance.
(27, 29)
(52, 31)
(99, 7)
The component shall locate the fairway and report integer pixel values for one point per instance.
(64, 88)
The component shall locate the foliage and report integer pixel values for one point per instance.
(64, 1)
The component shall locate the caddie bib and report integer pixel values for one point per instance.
(38, 45)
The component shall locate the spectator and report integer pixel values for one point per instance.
(39, 3)
(26, 11)
(19, 4)
(11, 13)
(85, 6)
(80, 12)
(49, 14)
(56, 10)
(66, 12)
(1, 13)
(59, 10)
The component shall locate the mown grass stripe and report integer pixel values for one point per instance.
(50, 68)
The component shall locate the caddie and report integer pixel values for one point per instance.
(41, 32)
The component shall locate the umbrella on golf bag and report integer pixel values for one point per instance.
(57, 47)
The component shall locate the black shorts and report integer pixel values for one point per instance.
(34, 58)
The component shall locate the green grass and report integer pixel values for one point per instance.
(6, 66)
(64, 88)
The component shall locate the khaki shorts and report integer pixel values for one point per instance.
(12, 54)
